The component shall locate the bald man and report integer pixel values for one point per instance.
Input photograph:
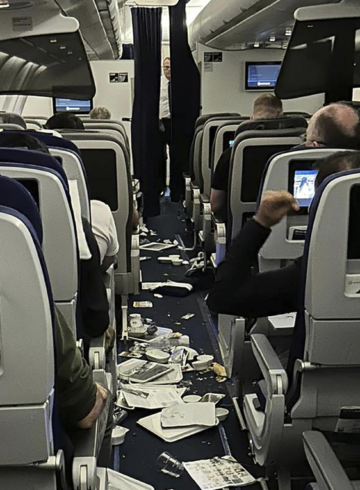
(334, 126)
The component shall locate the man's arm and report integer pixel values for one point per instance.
(237, 290)
(79, 399)
(217, 201)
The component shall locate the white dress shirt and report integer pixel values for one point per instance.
(164, 99)
(104, 229)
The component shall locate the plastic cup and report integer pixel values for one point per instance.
(169, 465)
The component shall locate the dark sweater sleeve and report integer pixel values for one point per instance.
(221, 175)
(237, 291)
(93, 299)
(75, 388)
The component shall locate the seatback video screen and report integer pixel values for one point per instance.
(304, 187)
(76, 106)
(261, 76)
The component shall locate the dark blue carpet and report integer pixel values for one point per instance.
(137, 456)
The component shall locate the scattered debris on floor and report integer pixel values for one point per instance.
(188, 316)
(142, 304)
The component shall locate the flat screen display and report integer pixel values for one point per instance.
(304, 187)
(32, 186)
(262, 75)
(100, 166)
(228, 140)
(76, 106)
(254, 161)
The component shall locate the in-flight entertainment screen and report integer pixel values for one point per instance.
(76, 106)
(261, 76)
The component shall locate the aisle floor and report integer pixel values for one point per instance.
(137, 456)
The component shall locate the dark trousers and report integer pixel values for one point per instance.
(165, 137)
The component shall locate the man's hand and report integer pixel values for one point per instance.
(274, 206)
(89, 420)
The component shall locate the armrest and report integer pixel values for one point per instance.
(204, 198)
(97, 353)
(327, 469)
(87, 445)
(274, 374)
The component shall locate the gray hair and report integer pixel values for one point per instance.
(100, 113)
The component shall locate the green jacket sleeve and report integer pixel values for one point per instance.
(75, 388)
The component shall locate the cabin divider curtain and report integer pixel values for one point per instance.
(146, 146)
(185, 96)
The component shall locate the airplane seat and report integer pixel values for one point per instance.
(10, 127)
(282, 171)
(283, 122)
(252, 150)
(46, 181)
(218, 143)
(29, 426)
(201, 120)
(12, 118)
(103, 155)
(327, 469)
(192, 180)
(250, 154)
(321, 381)
(26, 413)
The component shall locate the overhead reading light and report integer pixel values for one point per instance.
(62, 48)
(288, 32)
(4, 4)
(256, 45)
(272, 39)
(53, 41)
(70, 52)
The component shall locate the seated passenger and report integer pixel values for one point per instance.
(80, 401)
(334, 126)
(100, 112)
(92, 292)
(104, 229)
(266, 106)
(68, 120)
(237, 290)
(64, 120)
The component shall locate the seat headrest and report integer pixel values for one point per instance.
(285, 122)
(30, 157)
(12, 118)
(205, 117)
(15, 196)
(49, 140)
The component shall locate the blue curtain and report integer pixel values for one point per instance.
(185, 88)
(146, 145)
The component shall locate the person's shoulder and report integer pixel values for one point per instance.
(100, 212)
(99, 206)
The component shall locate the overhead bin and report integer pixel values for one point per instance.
(323, 55)
(232, 24)
(42, 53)
(99, 26)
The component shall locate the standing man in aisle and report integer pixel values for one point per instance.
(165, 121)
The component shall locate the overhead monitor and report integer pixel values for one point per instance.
(75, 106)
(261, 75)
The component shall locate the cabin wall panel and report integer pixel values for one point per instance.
(223, 84)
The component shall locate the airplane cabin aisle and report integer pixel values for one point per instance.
(137, 456)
